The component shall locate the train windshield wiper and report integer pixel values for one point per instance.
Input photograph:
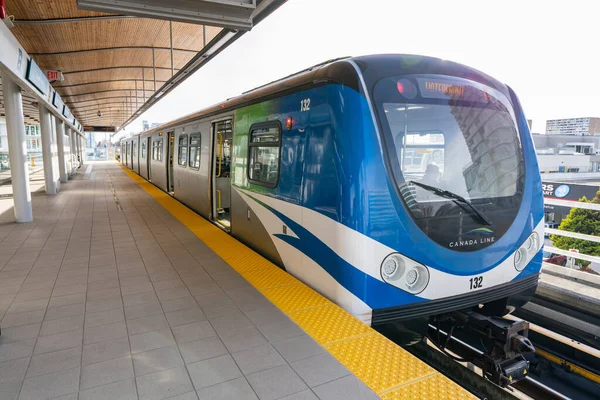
(449, 195)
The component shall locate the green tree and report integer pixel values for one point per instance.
(585, 221)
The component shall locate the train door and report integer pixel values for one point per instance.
(170, 157)
(149, 156)
(222, 140)
(134, 154)
(137, 160)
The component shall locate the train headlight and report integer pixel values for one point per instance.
(411, 277)
(404, 273)
(527, 251)
(392, 265)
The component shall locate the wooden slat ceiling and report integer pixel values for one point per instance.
(103, 59)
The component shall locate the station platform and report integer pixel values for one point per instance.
(118, 291)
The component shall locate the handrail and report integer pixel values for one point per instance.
(573, 235)
(573, 204)
(568, 253)
(220, 153)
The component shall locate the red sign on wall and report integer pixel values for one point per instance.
(53, 75)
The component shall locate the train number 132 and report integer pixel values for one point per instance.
(305, 105)
(476, 282)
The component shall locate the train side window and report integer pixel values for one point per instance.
(264, 151)
(154, 150)
(182, 151)
(159, 150)
(194, 151)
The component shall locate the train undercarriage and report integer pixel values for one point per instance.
(478, 335)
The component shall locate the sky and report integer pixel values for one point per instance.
(548, 54)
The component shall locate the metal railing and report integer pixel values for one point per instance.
(574, 235)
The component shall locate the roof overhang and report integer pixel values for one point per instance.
(224, 13)
(115, 67)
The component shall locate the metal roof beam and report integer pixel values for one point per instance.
(109, 107)
(101, 91)
(98, 82)
(73, 52)
(68, 20)
(109, 68)
(106, 115)
(228, 14)
(112, 105)
(75, 102)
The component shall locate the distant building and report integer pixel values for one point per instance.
(147, 125)
(529, 123)
(565, 153)
(587, 126)
(33, 143)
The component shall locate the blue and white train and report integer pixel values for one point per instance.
(401, 187)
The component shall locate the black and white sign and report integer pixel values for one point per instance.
(567, 191)
(37, 77)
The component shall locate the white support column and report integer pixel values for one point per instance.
(82, 142)
(78, 149)
(73, 158)
(69, 161)
(17, 150)
(60, 141)
(55, 152)
(76, 146)
(47, 153)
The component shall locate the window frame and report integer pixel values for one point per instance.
(179, 146)
(199, 147)
(143, 152)
(263, 125)
(159, 149)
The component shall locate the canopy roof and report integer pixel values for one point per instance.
(114, 65)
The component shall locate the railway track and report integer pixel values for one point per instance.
(564, 364)
(561, 368)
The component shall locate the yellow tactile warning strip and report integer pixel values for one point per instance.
(383, 366)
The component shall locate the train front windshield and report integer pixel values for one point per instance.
(456, 156)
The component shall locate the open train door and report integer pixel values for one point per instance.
(149, 153)
(170, 157)
(222, 140)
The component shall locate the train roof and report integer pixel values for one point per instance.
(342, 71)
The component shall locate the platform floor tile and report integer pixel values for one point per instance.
(383, 366)
(108, 295)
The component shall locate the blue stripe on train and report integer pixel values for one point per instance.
(375, 293)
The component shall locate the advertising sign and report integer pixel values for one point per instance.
(568, 191)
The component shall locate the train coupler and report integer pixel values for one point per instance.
(493, 344)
